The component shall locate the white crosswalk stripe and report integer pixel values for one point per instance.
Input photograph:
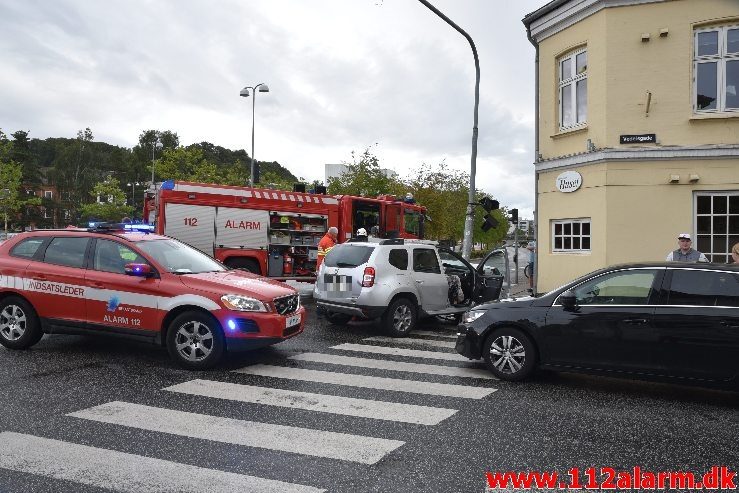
(394, 351)
(119, 471)
(348, 406)
(394, 341)
(380, 383)
(382, 364)
(435, 333)
(318, 443)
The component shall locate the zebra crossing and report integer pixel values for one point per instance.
(120, 471)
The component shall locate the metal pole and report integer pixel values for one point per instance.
(515, 255)
(507, 271)
(253, 106)
(153, 147)
(470, 217)
(6, 196)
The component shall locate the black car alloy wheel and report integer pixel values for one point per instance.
(509, 354)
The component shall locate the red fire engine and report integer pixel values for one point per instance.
(274, 233)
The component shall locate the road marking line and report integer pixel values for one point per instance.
(441, 333)
(318, 443)
(410, 341)
(394, 351)
(364, 381)
(348, 406)
(383, 364)
(120, 471)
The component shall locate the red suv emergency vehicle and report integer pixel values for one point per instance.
(144, 286)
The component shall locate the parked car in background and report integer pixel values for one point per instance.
(673, 320)
(399, 280)
(141, 286)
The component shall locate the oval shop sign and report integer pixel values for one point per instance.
(569, 181)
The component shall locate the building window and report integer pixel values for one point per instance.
(716, 69)
(571, 235)
(47, 214)
(48, 194)
(717, 224)
(573, 89)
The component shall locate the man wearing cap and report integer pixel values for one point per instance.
(685, 253)
(326, 244)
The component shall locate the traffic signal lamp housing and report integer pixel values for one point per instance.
(490, 222)
(514, 216)
(489, 204)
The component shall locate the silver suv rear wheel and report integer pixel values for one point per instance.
(400, 318)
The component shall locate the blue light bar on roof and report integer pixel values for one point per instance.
(145, 228)
(167, 185)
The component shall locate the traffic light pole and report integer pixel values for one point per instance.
(515, 243)
(470, 218)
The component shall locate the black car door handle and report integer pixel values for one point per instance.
(635, 321)
(729, 324)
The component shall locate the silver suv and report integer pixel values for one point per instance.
(398, 281)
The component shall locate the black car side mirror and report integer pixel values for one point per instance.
(568, 299)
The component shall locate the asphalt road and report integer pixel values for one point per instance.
(83, 414)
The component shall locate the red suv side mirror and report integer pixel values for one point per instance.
(139, 270)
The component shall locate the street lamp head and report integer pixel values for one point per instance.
(263, 88)
(159, 145)
(244, 92)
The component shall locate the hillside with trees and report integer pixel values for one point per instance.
(53, 182)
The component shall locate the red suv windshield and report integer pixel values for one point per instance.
(178, 258)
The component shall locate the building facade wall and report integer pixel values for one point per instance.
(635, 204)
(636, 213)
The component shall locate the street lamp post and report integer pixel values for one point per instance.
(470, 218)
(156, 145)
(245, 93)
(5, 196)
(133, 192)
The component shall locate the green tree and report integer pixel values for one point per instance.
(364, 178)
(11, 180)
(444, 194)
(111, 205)
(183, 163)
(21, 153)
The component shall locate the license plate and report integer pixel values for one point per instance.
(291, 321)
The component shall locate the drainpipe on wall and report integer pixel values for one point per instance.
(536, 157)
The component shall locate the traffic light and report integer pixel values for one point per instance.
(489, 205)
(514, 217)
(256, 172)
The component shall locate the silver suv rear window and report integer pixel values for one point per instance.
(348, 255)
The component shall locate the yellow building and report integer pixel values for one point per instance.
(637, 134)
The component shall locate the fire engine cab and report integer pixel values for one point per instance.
(274, 233)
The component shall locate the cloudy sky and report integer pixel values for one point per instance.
(343, 75)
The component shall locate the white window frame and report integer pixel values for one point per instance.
(47, 214)
(721, 58)
(714, 256)
(570, 84)
(564, 222)
(48, 194)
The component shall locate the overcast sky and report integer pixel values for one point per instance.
(343, 75)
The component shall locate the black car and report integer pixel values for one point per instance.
(662, 319)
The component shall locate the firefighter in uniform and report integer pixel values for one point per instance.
(326, 244)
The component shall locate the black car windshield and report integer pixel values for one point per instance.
(348, 255)
(178, 258)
